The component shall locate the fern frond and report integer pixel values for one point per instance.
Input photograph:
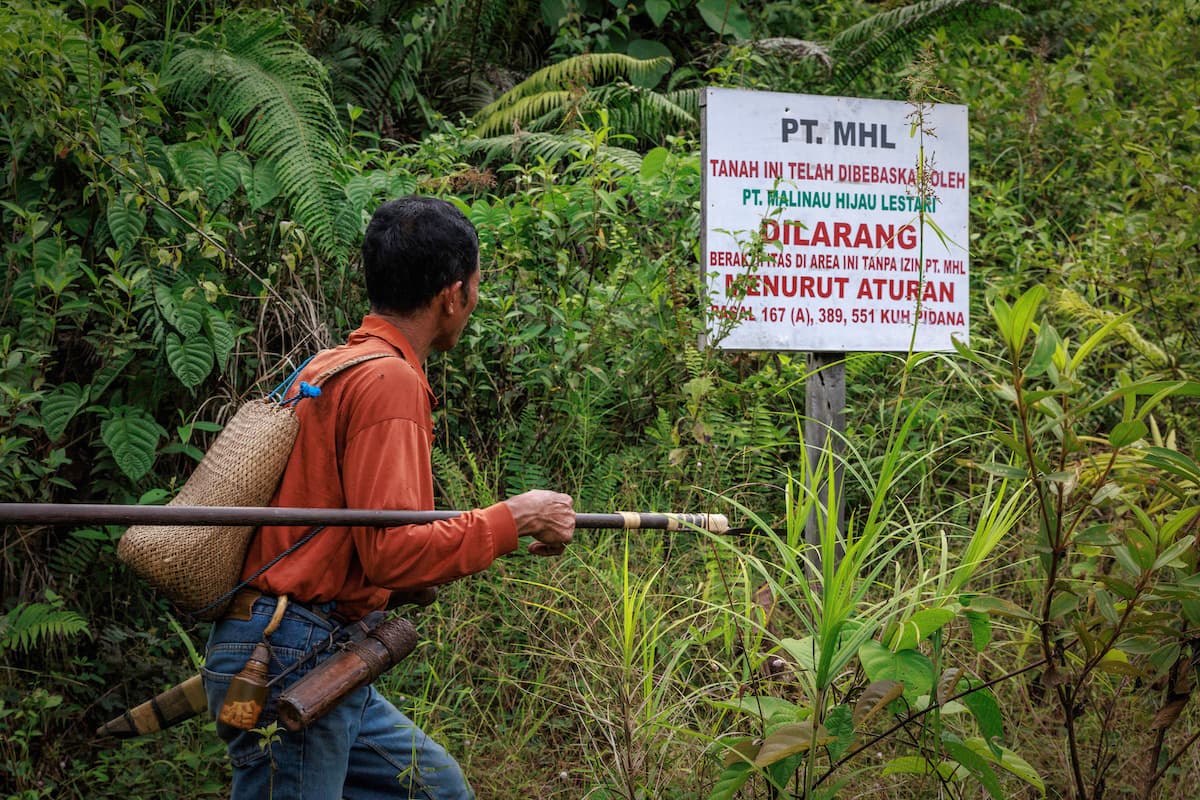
(548, 147)
(378, 64)
(554, 102)
(76, 556)
(1075, 305)
(562, 81)
(644, 114)
(793, 49)
(881, 35)
(28, 623)
(523, 456)
(693, 360)
(247, 70)
(451, 479)
(686, 99)
(598, 489)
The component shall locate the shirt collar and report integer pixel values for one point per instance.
(374, 327)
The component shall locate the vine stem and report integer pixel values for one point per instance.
(932, 706)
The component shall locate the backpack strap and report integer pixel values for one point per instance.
(313, 389)
(329, 373)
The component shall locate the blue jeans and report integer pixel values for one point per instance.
(362, 749)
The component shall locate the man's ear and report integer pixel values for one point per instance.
(455, 292)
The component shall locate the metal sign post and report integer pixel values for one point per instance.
(825, 429)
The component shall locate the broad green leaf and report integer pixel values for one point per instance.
(1046, 343)
(1062, 604)
(553, 12)
(919, 626)
(132, 437)
(789, 739)
(803, 651)
(192, 162)
(1117, 663)
(220, 333)
(190, 309)
(839, 722)
(780, 773)
(1007, 760)
(731, 779)
(986, 711)
(165, 299)
(1127, 560)
(55, 266)
(977, 764)
(191, 359)
(1170, 556)
(981, 629)
(766, 707)
(225, 177)
(1023, 313)
(726, 17)
(1104, 603)
(653, 162)
(1127, 432)
(909, 667)
(658, 10)
(125, 223)
(60, 407)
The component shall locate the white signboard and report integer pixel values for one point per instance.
(813, 237)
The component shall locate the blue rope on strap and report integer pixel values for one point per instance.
(280, 391)
(306, 390)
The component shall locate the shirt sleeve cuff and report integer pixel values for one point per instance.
(503, 527)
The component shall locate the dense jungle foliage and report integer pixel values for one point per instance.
(1016, 609)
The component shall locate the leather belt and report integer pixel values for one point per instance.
(241, 607)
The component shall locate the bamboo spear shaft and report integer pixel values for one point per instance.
(104, 514)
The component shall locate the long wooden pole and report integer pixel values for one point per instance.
(103, 514)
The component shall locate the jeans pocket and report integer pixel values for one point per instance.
(248, 749)
(221, 665)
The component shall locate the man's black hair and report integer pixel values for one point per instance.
(415, 247)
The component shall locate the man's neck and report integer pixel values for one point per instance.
(416, 328)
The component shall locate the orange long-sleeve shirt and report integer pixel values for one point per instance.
(365, 443)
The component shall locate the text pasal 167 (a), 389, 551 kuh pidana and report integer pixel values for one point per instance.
(834, 224)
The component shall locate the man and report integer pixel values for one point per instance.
(365, 443)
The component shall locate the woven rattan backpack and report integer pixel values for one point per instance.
(196, 565)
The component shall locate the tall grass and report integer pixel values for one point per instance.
(707, 666)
